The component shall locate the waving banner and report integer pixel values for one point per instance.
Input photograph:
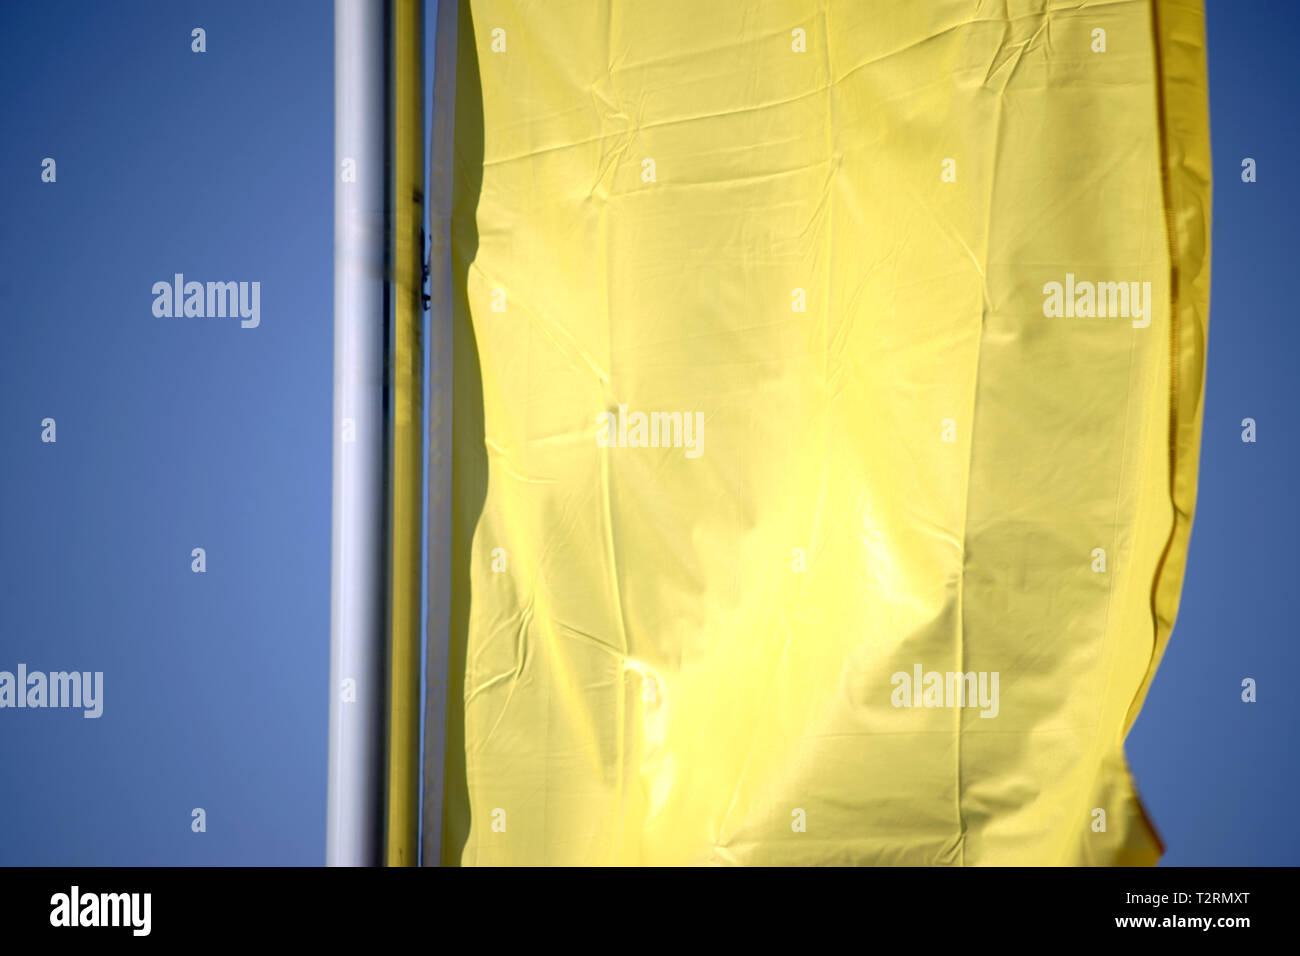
(815, 445)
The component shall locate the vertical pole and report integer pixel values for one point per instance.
(354, 811)
(440, 423)
(405, 358)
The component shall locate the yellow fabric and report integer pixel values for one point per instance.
(693, 653)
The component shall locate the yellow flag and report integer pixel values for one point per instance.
(827, 383)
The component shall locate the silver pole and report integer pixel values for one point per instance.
(354, 809)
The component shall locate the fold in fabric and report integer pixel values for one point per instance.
(825, 402)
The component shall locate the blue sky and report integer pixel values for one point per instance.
(171, 434)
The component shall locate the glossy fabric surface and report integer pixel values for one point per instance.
(893, 464)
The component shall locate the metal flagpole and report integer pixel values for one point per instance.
(354, 812)
(378, 467)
